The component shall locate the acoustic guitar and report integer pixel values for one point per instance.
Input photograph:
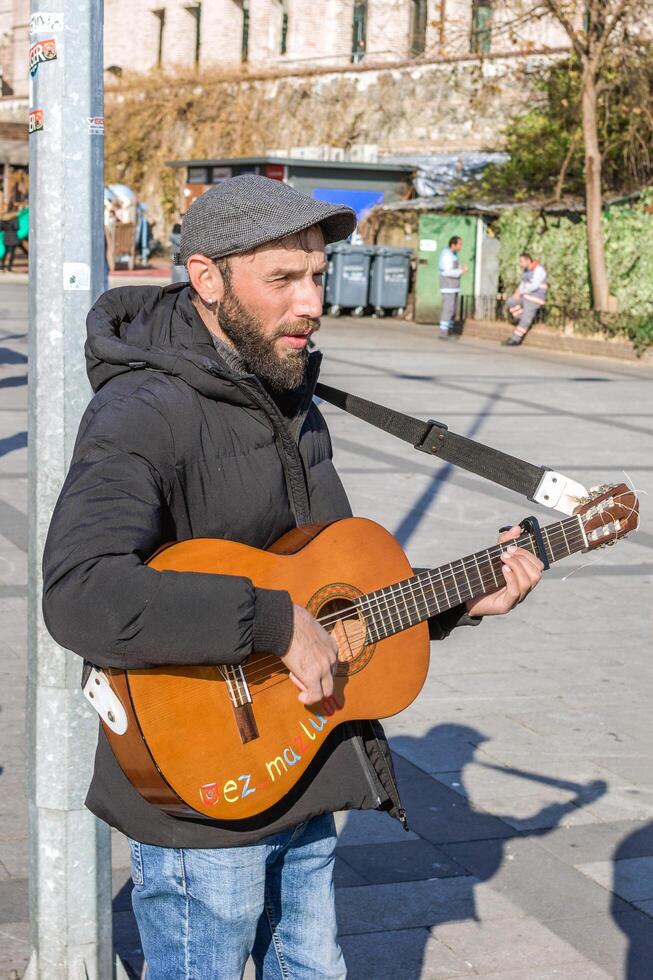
(232, 742)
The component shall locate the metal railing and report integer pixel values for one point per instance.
(568, 316)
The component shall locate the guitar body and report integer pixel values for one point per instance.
(195, 743)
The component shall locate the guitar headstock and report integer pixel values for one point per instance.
(609, 514)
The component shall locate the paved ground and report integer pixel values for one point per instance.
(525, 763)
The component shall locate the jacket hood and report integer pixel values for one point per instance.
(157, 328)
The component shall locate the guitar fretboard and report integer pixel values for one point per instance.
(402, 605)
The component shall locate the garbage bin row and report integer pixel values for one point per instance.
(362, 278)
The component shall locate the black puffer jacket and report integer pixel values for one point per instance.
(176, 445)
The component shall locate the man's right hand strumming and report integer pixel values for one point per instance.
(311, 658)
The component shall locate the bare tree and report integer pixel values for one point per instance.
(598, 31)
(595, 28)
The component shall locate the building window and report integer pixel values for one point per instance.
(359, 31)
(283, 47)
(161, 17)
(244, 47)
(418, 26)
(195, 10)
(481, 39)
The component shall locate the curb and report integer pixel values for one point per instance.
(546, 338)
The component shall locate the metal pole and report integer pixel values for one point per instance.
(70, 856)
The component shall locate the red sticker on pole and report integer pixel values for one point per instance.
(35, 120)
(41, 52)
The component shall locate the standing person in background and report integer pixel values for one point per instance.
(528, 299)
(450, 272)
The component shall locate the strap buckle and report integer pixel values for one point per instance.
(434, 437)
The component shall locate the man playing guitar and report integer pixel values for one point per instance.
(203, 426)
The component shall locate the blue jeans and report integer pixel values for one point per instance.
(201, 913)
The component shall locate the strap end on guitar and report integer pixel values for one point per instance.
(559, 492)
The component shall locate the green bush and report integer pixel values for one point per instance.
(560, 243)
(547, 138)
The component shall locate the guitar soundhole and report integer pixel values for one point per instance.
(343, 620)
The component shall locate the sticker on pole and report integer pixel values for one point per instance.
(35, 120)
(45, 22)
(41, 52)
(95, 125)
(76, 275)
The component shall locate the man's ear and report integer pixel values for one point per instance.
(205, 278)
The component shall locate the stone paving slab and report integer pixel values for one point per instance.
(407, 861)
(406, 905)
(421, 955)
(527, 880)
(496, 946)
(629, 878)
(573, 971)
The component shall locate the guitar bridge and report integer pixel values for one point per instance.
(246, 723)
(241, 700)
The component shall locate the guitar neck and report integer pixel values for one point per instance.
(413, 600)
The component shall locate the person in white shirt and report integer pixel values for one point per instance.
(450, 272)
(529, 297)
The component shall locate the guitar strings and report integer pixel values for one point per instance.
(454, 567)
(385, 615)
(390, 616)
(374, 605)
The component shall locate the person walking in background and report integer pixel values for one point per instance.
(528, 299)
(11, 243)
(450, 272)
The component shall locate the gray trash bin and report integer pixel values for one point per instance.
(348, 276)
(390, 279)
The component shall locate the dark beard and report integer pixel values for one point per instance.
(257, 349)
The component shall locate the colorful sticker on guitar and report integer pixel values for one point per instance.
(275, 768)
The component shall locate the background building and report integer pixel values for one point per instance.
(141, 35)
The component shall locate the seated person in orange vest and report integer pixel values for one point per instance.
(529, 297)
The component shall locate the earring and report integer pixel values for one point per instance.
(210, 304)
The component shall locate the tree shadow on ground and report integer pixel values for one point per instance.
(460, 847)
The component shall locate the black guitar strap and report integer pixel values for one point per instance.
(537, 483)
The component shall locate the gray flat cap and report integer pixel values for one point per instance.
(246, 211)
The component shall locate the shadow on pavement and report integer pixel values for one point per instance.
(14, 382)
(11, 443)
(126, 940)
(633, 882)
(457, 842)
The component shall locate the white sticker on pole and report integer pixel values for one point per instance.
(76, 275)
(95, 125)
(45, 22)
(428, 245)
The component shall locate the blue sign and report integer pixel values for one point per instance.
(359, 201)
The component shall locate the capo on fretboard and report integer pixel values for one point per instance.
(531, 525)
